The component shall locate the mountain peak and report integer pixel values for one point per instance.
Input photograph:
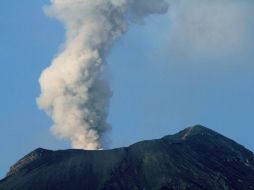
(192, 132)
(195, 158)
(195, 130)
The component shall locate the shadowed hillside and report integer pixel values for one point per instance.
(195, 158)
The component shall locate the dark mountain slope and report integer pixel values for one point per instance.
(195, 158)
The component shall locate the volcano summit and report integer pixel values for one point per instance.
(195, 158)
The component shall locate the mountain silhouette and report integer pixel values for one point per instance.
(193, 159)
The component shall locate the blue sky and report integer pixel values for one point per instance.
(178, 70)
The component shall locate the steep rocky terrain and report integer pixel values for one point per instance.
(195, 158)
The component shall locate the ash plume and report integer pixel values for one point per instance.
(73, 91)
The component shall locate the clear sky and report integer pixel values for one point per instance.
(191, 66)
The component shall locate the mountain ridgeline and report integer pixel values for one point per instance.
(193, 159)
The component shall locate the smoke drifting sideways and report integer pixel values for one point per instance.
(209, 29)
(73, 91)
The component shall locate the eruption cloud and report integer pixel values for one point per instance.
(73, 91)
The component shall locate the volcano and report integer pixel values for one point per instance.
(195, 158)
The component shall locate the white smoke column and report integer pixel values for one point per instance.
(73, 92)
